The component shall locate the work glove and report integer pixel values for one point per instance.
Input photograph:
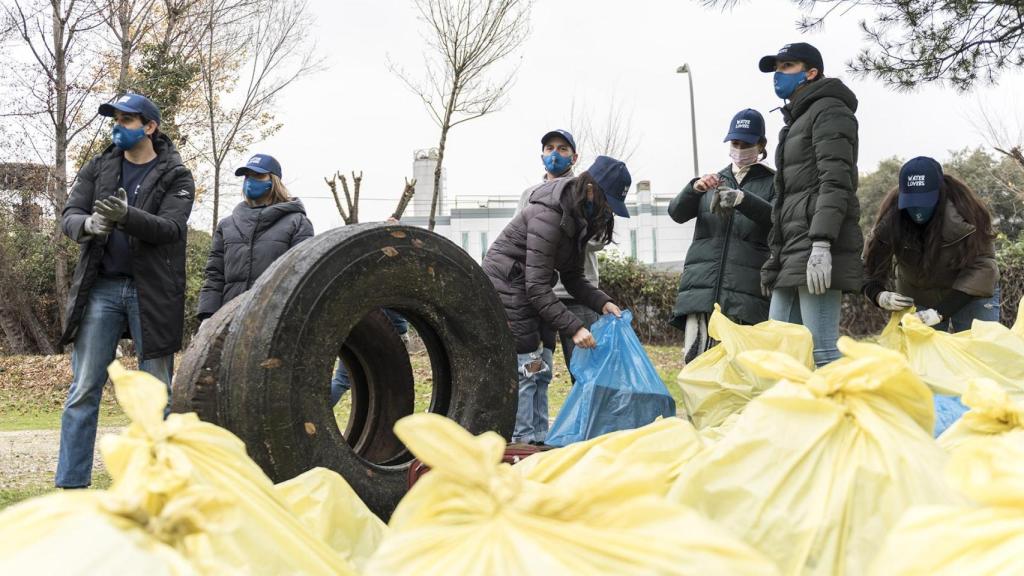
(96, 225)
(894, 301)
(114, 208)
(929, 317)
(819, 267)
(766, 291)
(724, 200)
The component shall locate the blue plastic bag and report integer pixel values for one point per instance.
(617, 387)
(948, 409)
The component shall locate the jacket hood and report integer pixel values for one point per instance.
(814, 91)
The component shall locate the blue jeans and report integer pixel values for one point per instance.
(819, 313)
(340, 383)
(112, 305)
(978, 309)
(532, 413)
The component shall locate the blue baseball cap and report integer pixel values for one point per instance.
(564, 134)
(795, 52)
(261, 164)
(132, 104)
(613, 178)
(920, 179)
(747, 126)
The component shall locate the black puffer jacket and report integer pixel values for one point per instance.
(541, 239)
(247, 243)
(816, 188)
(156, 229)
(724, 262)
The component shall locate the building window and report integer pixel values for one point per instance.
(632, 243)
(465, 241)
(483, 245)
(654, 245)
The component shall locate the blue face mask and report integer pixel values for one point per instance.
(920, 215)
(786, 84)
(127, 138)
(588, 209)
(556, 164)
(256, 189)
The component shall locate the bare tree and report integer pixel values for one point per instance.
(57, 91)
(608, 133)
(129, 21)
(351, 214)
(1003, 134)
(272, 49)
(467, 39)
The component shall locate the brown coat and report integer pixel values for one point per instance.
(543, 238)
(928, 287)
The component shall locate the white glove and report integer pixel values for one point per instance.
(114, 208)
(819, 267)
(894, 301)
(729, 198)
(929, 317)
(97, 225)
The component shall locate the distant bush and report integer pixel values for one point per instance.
(648, 292)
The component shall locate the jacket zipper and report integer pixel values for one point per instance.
(252, 244)
(725, 253)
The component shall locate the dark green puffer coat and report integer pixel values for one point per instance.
(816, 188)
(724, 262)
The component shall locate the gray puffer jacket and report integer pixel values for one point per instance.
(544, 238)
(247, 243)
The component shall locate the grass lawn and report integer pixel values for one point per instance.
(11, 496)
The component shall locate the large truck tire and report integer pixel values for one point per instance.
(195, 384)
(379, 372)
(286, 336)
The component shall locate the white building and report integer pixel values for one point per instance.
(473, 222)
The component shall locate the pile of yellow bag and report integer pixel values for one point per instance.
(815, 471)
(716, 385)
(986, 536)
(471, 514)
(186, 499)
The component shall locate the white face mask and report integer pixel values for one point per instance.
(743, 156)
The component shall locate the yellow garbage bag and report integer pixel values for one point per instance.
(814, 471)
(946, 362)
(715, 385)
(474, 515)
(991, 412)
(78, 532)
(665, 445)
(154, 459)
(332, 511)
(980, 540)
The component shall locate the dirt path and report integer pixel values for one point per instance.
(29, 457)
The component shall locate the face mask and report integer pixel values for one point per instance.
(556, 164)
(588, 209)
(256, 189)
(785, 84)
(127, 138)
(921, 215)
(744, 156)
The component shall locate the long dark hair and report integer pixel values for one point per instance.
(920, 245)
(601, 224)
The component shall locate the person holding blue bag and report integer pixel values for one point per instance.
(550, 236)
(617, 386)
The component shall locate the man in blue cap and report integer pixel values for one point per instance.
(558, 153)
(128, 213)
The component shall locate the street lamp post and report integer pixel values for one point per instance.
(686, 69)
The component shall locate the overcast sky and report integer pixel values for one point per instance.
(357, 115)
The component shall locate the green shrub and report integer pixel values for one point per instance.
(648, 292)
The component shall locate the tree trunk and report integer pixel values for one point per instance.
(216, 199)
(14, 333)
(445, 126)
(60, 160)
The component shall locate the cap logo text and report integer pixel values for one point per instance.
(915, 180)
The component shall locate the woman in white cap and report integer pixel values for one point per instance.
(733, 209)
(936, 234)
